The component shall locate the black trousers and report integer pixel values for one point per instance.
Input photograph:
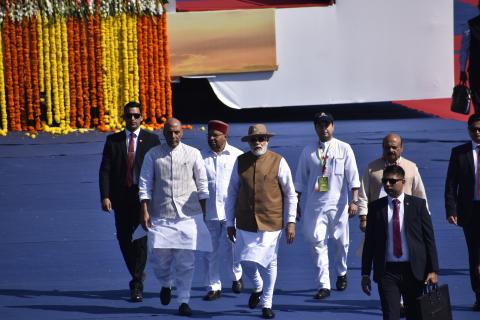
(399, 280)
(474, 82)
(127, 219)
(472, 237)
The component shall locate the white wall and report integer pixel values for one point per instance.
(356, 51)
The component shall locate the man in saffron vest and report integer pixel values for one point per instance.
(260, 191)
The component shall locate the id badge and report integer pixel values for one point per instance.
(322, 184)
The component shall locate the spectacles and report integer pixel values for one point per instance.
(259, 139)
(130, 115)
(474, 129)
(390, 181)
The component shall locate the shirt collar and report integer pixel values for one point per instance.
(226, 150)
(475, 145)
(399, 198)
(127, 132)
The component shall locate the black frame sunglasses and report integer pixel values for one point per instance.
(135, 115)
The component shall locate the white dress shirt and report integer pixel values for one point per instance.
(135, 139)
(475, 169)
(390, 256)
(219, 168)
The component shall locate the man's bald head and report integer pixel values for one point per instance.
(173, 132)
(392, 147)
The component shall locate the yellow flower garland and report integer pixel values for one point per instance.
(47, 76)
(66, 79)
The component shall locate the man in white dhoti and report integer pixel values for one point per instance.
(173, 188)
(261, 190)
(219, 160)
(326, 173)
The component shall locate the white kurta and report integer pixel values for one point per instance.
(219, 168)
(342, 173)
(186, 230)
(262, 246)
(325, 214)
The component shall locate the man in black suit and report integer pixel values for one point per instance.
(462, 198)
(119, 174)
(400, 243)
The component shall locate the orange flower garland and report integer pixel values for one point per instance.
(84, 70)
(166, 53)
(9, 67)
(91, 63)
(71, 72)
(98, 68)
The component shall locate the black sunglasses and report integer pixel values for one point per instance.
(390, 181)
(135, 115)
(474, 129)
(259, 139)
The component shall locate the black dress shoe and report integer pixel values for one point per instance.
(165, 295)
(341, 283)
(237, 286)
(212, 295)
(136, 292)
(254, 299)
(136, 295)
(184, 310)
(322, 294)
(267, 313)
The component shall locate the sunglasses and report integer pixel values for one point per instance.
(474, 129)
(390, 181)
(130, 115)
(259, 139)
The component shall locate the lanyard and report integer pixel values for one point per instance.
(323, 157)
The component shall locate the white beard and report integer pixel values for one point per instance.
(259, 152)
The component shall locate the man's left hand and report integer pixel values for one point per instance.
(432, 278)
(352, 210)
(290, 232)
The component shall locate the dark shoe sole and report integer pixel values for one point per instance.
(165, 296)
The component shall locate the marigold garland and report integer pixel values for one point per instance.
(71, 63)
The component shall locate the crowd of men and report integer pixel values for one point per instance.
(223, 201)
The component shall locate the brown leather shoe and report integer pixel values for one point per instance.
(136, 292)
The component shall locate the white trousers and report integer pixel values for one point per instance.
(220, 241)
(329, 226)
(184, 263)
(262, 278)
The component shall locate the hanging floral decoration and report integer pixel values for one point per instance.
(69, 65)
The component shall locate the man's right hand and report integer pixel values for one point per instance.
(463, 76)
(452, 220)
(363, 223)
(145, 220)
(232, 233)
(106, 205)
(366, 285)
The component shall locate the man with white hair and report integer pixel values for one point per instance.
(173, 188)
(261, 190)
